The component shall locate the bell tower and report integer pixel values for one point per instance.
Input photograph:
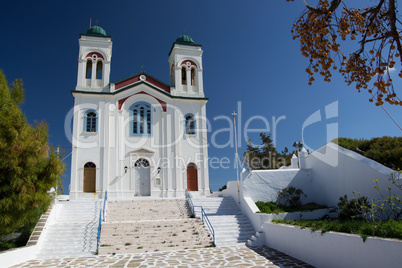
(185, 61)
(94, 60)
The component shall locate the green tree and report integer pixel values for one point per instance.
(263, 156)
(327, 30)
(28, 166)
(385, 150)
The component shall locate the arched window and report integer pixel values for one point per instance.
(190, 124)
(141, 124)
(88, 70)
(91, 119)
(183, 75)
(193, 76)
(89, 165)
(99, 69)
(141, 163)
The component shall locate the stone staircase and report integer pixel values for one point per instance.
(74, 231)
(230, 225)
(151, 225)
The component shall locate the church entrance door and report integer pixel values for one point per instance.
(192, 177)
(143, 176)
(89, 185)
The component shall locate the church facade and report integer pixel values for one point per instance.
(138, 136)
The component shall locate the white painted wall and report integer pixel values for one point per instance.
(338, 171)
(15, 256)
(326, 174)
(333, 249)
(264, 185)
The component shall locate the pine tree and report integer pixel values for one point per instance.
(263, 156)
(28, 166)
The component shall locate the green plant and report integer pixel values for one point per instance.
(353, 208)
(386, 229)
(272, 207)
(269, 207)
(127, 244)
(390, 206)
(290, 196)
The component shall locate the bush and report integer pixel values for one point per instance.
(272, 207)
(269, 207)
(290, 196)
(351, 209)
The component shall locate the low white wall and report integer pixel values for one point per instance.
(232, 190)
(19, 255)
(333, 249)
(299, 215)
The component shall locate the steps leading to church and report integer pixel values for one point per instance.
(230, 225)
(74, 231)
(149, 226)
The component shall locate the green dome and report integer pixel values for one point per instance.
(96, 30)
(185, 39)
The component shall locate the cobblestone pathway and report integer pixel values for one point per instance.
(239, 256)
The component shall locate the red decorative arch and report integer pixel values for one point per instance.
(89, 55)
(192, 63)
(162, 103)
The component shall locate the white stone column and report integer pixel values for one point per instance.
(188, 80)
(204, 142)
(93, 75)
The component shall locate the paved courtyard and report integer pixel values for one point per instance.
(238, 256)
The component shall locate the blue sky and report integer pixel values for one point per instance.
(249, 59)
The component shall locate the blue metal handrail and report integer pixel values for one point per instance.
(99, 230)
(104, 206)
(190, 202)
(101, 213)
(208, 223)
(203, 215)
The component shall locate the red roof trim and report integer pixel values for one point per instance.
(163, 104)
(136, 79)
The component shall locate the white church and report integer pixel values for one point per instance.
(138, 136)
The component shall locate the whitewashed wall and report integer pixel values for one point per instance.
(264, 185)
(338, 171)
(333, 249)
(327, 174)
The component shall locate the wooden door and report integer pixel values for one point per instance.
(192, 179)
(89, 178)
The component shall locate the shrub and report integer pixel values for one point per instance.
(290, 196)
(390, 206)
(269, 207)
(350, 209)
